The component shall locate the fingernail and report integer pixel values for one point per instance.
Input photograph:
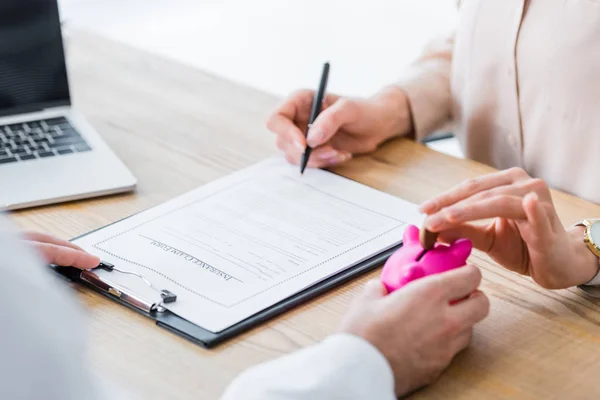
(329, 154)
(427, 207)
(432, 223)
(340, 158)
(299, 146)
(532, 195)
(315, 137)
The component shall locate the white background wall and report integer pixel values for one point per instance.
(275, 45)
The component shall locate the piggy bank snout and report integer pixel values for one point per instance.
(413, 272)
(397, 273)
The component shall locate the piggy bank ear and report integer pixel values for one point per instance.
(461, 249)
(411, 235)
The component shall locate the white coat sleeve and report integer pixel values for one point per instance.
(343, 366)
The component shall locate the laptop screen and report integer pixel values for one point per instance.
(33, 74)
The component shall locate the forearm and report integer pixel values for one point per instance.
(342, 367)
(420, 102)
(397, 115)
(427, 86)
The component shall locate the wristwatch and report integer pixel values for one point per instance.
(591, 236)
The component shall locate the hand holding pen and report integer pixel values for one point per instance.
(344, 126)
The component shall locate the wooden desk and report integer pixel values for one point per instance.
(178, 128)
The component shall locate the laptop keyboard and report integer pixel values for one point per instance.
(39, 139)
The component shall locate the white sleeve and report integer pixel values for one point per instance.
(595, 280)
(592, 287)
(42, 340)
(343, 366)
(43, 336)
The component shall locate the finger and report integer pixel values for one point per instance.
(342, 112)
(509, 207)
(320, 157)
(340, 158)
(329, 156)
(46, 238)
(296, 107)
(287, 130)
(292, 154)
(283, 142)
(482, 237)
(374, 290)
(291, 117)
(543, 233)
(457, 283)
(518, 189)
(471, 187)
(330, 99)
(284, 120)
(470, 311)
(462, 341)
(292, 151)
(66, 256)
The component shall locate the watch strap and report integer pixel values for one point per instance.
(586, 222)
(592, 287)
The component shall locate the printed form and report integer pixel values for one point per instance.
(238, 245)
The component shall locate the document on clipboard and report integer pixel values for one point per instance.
(236, 246)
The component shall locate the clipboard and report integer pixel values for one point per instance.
(205, 338)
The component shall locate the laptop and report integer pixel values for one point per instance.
(48, 152)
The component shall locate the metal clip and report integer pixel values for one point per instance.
(94, 280)
(168, 297)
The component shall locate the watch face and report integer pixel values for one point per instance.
(595, 233)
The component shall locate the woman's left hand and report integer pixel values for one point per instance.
(526, 235)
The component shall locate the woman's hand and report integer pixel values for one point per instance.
(344, 127)
(61, 252)
(526, 234)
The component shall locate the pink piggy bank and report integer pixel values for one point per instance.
(404, 265)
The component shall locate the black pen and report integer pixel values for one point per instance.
(314, 112)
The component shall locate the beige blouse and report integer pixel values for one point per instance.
(521, 80)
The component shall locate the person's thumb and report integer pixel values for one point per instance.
(374, 290)
(342, 112)
(481, 237)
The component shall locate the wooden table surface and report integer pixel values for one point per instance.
(178, 128)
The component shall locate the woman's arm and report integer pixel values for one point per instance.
(426, 83)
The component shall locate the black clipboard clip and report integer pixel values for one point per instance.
(91, 278)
